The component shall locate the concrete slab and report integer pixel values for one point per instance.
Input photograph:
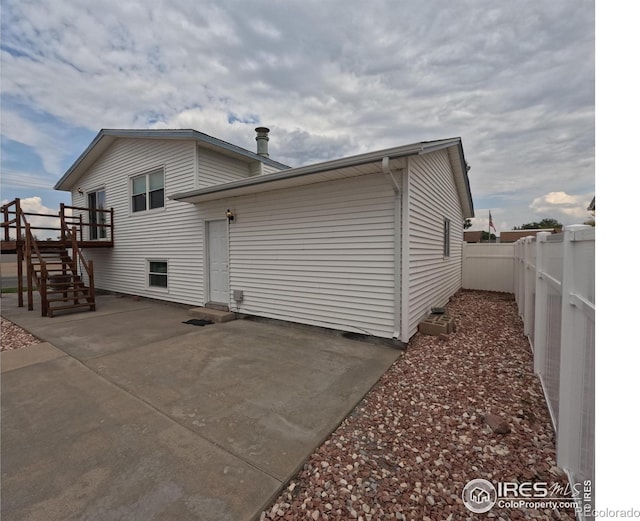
(75, 446)
(118, 323)
(149, 418)
(267, 393)
(34, 354)
(215, 315)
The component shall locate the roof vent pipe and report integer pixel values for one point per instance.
(262, 138)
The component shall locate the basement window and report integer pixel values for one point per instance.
(447, 237)
(147, 191)
(158, 273)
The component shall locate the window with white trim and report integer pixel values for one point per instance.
(147, 191)
(447, 237)
(158, 273)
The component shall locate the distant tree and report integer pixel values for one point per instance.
(488, 238)
(544, 223)
(549, 223)
(467, 224)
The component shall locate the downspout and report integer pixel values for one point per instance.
(397, 247)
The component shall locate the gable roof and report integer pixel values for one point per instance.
(106, 137)
(340, 169)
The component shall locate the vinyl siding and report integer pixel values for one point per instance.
(268, 169)
(215, 168)
(320, 254)
(172, 233)
(431, 197)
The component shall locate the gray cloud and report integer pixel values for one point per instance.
(514, 79)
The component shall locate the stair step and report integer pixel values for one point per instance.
(215, 315)
(63, 284)
(69, 299)
(53, 309)
(51, 291)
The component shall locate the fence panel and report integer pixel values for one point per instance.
(554, 286)
(488, 266)
(576, 415)
(548, 324)
(525, 273)
(562, 333)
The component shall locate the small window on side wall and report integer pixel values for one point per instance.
(147, 191)
(447, 237)
(158, 274)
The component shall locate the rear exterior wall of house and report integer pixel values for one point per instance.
(168, 233)
(432, 276)
(320, 254)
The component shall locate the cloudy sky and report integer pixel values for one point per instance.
(514, 79)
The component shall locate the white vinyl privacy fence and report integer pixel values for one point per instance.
(553, 278)
(555, 292)
(488, 266)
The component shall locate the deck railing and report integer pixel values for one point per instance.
(95, 225)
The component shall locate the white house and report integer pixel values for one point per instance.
(365, 244)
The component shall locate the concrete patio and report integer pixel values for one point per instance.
(127, 413)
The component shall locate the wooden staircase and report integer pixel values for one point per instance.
(60, 284)
(56, 269)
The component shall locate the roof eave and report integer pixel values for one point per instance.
(93, 151)
(361, 159)
(465, 191)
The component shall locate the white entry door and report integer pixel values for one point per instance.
(218, 261)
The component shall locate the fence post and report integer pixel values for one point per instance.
(517, 273)
(571, 362)
(540, 326)
(529, 290)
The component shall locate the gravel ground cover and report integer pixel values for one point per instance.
(14, 337)
(408, 449)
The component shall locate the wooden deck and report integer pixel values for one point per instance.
(56, 268)
(12, 246)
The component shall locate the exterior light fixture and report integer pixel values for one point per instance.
(230, 216)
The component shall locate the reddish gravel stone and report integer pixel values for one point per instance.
(424, 422)
(14, 337)
(497, 424)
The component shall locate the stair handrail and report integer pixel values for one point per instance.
(31, 245)
(77, 255)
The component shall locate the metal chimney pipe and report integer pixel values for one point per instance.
(262, 138)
